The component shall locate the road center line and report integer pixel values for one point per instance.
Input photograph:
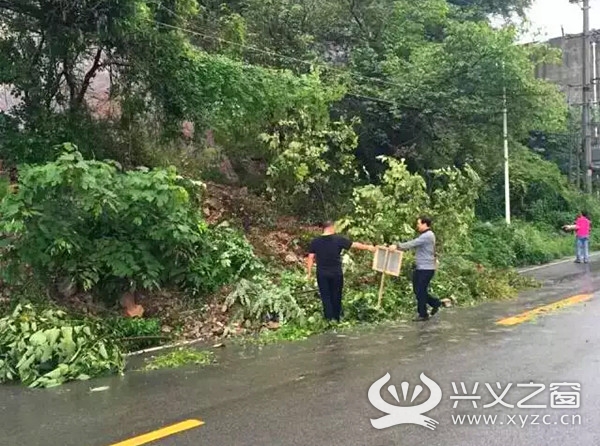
(161, 433)
(530, 314)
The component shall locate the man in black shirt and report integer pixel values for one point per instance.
(327, 249)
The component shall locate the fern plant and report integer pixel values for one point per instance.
(259, 298)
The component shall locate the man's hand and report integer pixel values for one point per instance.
(392, 247)
(372, 248)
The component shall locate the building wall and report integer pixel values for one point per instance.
(569, 75)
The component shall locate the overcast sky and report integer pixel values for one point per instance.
(547, 17)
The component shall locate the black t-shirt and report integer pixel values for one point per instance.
(328, 249)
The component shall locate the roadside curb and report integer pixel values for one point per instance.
(163, 347)
(527, 269)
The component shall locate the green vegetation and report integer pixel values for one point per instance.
(180, 358)
(369, 112)
(100, 228)
(135, 333)
(44, 348)
(519, 244)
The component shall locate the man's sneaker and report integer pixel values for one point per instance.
(434, 311)
(421, 319)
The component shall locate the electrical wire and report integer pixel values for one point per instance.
(272, 53)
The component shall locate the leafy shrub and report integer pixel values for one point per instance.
(222, 257)
(467, 283)
(126, 330)
(44, 348)
(539, 193)
(457, 279)
(85, 220)
(519, 244)
(311, 162)
(102, 228)
(259, 298)
(361, 304)
(4, 187)
(387, 212)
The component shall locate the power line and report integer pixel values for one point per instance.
(376, 99)
(304, 62)
(293, 59)
(274, 53)
(267, 52)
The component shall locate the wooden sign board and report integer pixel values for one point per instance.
(387, 261)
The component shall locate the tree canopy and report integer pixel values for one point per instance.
(422, 80)
(51, 52)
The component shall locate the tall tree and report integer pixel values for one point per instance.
(52, 50)
(504, 7)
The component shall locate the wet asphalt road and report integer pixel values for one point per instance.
(315, 392)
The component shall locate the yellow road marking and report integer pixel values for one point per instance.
(161, 433)
(529, 315)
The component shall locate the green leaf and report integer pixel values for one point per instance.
(102, 351)
(38, 338)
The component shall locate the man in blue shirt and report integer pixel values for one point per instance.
(327, 250)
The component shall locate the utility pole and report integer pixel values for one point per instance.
(595, 71)
(506, 177)
(585, 118)
(586, 142)
(594, 104)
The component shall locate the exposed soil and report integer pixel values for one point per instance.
(187, 318)
(275, 239)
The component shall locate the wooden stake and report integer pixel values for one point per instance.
(382, 280)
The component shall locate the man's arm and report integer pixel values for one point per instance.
(310, 261)
(363, 247)
(572, 227)
(420, 240)
(346, 243)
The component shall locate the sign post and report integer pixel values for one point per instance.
(386, 261)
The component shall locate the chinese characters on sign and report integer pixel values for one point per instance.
(562, 395)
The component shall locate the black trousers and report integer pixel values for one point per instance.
(330, 289)
(421, 280)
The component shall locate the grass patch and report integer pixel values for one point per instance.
(299, 333)
(293, 332)
(180, 358)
